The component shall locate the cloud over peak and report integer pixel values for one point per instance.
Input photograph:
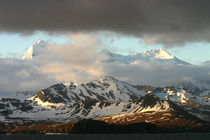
(79, 61)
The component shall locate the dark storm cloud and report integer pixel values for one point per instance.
(165, 21)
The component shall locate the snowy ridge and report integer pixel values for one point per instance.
(105, 88)
(88, 108)
(102, 97)
(196, 87)
(159, 56)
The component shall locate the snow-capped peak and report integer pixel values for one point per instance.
(158, 54)
(34, 49)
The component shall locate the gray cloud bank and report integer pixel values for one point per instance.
(18, 75)
(160, 75)
(168, 22)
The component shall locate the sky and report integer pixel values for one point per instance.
(76, 30)
(15, 45)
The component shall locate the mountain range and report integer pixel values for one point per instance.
(109, 100)
(159, 56)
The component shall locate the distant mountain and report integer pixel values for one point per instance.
(159, 56)
(34, 49)
(24, 95)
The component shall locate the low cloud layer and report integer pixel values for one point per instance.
(79, 61)
(160, 75)
(18, 75)
(169, 22)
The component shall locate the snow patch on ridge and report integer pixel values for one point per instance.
(158, 54)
